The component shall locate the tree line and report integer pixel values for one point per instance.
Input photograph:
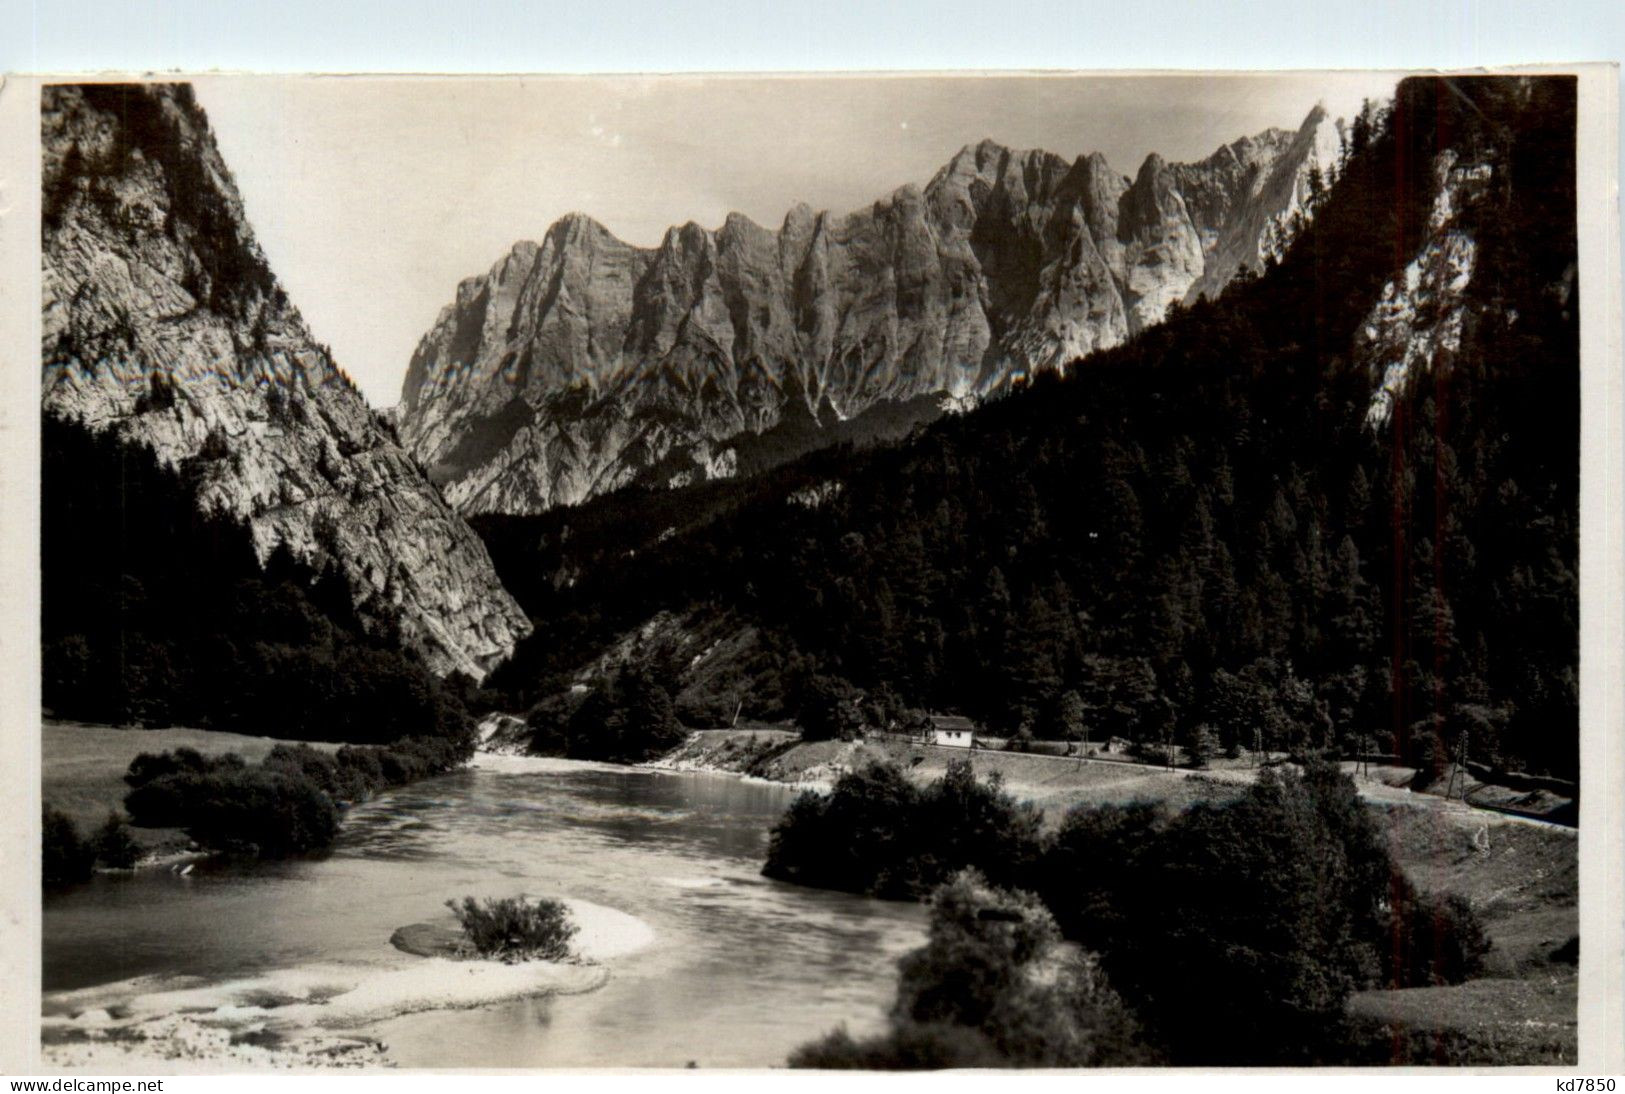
(624, 717)
(68, 855)
(1282, 900)
(289, 803)
(155, 612)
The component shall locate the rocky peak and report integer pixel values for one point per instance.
(1240, 209)
(1153, 198)
(576, 228)
(990, 170)
(981, 158)
(799, 220)
(163, 324)
(739, 229)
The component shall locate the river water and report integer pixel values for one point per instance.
(714, 964)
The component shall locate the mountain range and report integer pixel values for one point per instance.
(1337, 502)
(580, 363)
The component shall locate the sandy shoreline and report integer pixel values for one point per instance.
(684, 767)
(312, 1016)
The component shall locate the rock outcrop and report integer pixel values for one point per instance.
(1416, 325)
(163, 323)
(579, 364)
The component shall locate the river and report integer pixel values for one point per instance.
(724, 968)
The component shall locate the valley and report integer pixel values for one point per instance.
(643, 600)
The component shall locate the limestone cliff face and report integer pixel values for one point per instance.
(580, 364)
(1241, 196)
(163, 323)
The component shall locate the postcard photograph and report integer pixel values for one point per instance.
(848, 571)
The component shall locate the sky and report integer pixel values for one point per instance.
(374, 197)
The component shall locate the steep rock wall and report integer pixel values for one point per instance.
(163, 323)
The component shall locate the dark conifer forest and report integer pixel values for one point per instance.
(155, 613)
(1197, 532)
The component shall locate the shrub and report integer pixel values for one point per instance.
(149, 766)
(909, 1046)
(114, 846)
(515, 929)
(265, 811)
(1265, 896)
(877, 833)
(968, 822)
(627, 718)
(990, 989)
(862, 837)
(164, 801)
(317, 766)
(1432, 940)
(981, 944)
(1287, 897)
(286, 804)
(64, 856)
(829, 710)
(361, 771)
(1094, 856)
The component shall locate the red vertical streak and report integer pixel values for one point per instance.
(1441, 505)
(1397, 427)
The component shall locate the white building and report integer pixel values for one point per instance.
(952, 731)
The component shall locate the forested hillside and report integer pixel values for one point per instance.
(1203, 530)
(155, 612)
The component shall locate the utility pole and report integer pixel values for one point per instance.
(1460, 769)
